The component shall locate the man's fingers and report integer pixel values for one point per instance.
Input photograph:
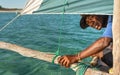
(68, 64)
(59, 59)
(63, 60)
(64, 63)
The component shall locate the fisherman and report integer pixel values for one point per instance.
(98, 22)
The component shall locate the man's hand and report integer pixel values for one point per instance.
(67, 60)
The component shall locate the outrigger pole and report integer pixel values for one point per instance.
(42, 56)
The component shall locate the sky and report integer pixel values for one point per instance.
(13, 3)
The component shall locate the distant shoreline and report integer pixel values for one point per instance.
(10, 10)
(2, 9)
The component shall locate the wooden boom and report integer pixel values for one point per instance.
(43, 56)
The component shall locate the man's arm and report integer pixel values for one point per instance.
(96, 47)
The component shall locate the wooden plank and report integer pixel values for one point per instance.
(116, 38)
(42, 56)
(95, 72)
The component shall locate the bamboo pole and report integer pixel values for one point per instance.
(43, 56)
(116, 38)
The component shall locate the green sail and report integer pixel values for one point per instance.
(76, 7)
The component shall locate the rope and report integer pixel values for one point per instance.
(59, 41)
(82, 68)
(84, 65)
(9, 22)
(57, 53)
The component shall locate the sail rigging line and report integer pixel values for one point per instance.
(22, 12)
(57, 53)
(9, 22)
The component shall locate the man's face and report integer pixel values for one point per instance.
(94, 21)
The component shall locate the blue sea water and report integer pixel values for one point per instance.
(42, 33)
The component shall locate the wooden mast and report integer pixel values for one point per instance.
(116, 38)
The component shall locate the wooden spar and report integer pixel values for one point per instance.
(116, 38)
(42, 56)
(26, 52)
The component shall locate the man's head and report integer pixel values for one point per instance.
(95, 21)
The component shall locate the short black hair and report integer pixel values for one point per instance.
(83, 24)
